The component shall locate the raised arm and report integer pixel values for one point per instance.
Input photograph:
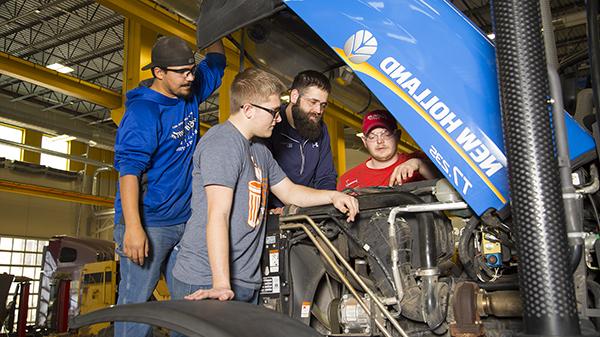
(216, 47)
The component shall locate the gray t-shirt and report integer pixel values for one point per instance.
(225, 157)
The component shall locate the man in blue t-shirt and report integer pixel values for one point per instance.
(300, 143)
(153, 154)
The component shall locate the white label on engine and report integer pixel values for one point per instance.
(305, 312)
(270, 285)
(575, 178)
(270, 239)
(274, 261)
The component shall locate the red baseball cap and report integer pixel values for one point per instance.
(378, 119)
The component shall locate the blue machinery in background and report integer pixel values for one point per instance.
(436, 73)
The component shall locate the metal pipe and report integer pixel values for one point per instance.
(428, 270)
(432, 207)
(506, 303)
(106, 212)
(394, 255)
(536, 200)
(573, 209)
(95, 178)
(54, 153)
(345, 263)
(337, 270)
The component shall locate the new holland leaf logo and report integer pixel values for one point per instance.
(360, 46)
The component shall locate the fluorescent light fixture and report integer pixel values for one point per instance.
(54, 66)
(64, 138)
(60, 68)
(65, 70)
(491, 36)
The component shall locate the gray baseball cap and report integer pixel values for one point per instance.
(170, 51)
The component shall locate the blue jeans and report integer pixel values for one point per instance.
(138, 282)
(181, 289)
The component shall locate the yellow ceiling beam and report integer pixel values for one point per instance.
(54, 193)
(40, 75)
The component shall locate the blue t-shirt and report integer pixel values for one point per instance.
(155, 142)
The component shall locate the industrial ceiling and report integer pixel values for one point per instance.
(89, 39)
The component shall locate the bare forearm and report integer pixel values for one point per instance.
(216, 47)
(130, 194)
(305, 196)
(426, 170)
(217, 241)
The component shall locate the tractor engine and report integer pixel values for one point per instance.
(395, 270)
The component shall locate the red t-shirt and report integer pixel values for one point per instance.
(363, 176)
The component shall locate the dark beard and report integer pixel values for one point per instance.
(304, 126)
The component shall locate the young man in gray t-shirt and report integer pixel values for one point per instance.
(219, 255)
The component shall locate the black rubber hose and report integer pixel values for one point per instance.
(546, 285)
(369, 252)
(426, 233)
(575, 257)
(499, 286)
(465, 253)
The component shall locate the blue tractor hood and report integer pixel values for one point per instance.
(435, 71)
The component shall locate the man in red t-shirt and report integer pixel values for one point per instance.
(386, 167)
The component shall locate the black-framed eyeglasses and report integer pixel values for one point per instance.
(273, 112)
(185, 71)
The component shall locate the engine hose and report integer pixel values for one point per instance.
(575, 258)
(513, 285)
(427, 244)
(426, 233)
(432, 292)
(464, 252)
(369, 252)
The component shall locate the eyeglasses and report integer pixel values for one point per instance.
(185, 71)
(384, 136)
(273, 112)
(313, 102)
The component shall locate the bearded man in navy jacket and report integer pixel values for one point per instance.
(153, 154)
(300, 143)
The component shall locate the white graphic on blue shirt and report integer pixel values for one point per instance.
(185, 131)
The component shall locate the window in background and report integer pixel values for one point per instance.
(58, 144)
(14, 135)
(23, 257)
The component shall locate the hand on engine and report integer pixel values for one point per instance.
(346, 204)
(221, 294)
(405, 171)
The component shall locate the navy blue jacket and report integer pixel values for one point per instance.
(155, 142)
(304, 162)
